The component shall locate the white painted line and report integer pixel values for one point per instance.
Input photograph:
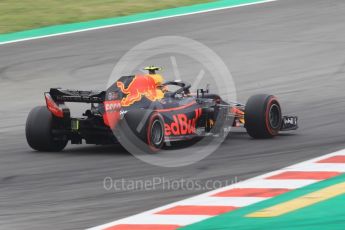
(135, 22)
(181, 220)
(206, 199)
(324, 167)
(222, 201)
(287, 184)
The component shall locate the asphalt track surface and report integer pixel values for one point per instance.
(291, 48)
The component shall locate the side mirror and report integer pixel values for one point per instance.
(200, 93)
(207, 88)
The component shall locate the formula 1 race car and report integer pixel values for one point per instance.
(161, 115)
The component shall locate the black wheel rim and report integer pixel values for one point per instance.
(156, 133)
(274, 116)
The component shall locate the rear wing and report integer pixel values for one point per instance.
(65, 95)
(56, 98)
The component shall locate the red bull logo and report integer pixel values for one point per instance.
(141, 85)
(181, 125)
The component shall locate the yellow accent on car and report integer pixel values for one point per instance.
(157, 78)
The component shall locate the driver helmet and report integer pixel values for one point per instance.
(158, 79)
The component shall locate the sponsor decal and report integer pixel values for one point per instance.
(290, 121)
(141, 85)
(122, 113)
(113, 95)
(112, 113)
(181, 125)
(111, 106)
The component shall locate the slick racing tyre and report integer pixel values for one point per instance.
(155, 132)
(39, 125)
(142, 128)
(263, 116)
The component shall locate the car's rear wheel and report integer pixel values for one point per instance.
(263, 116)
(155, 132)
(142, 129)
(39, 125)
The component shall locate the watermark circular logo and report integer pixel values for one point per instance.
(167, 101)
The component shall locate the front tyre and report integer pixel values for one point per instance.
(263, 116)
(39, 125)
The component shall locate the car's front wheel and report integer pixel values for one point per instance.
(263, 116)
(39, 125)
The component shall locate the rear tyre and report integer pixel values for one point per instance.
(143, 129)
(39, 125)
(263, 116)
(155, 132)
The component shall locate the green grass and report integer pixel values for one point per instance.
(327, 214)
(21, 15)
